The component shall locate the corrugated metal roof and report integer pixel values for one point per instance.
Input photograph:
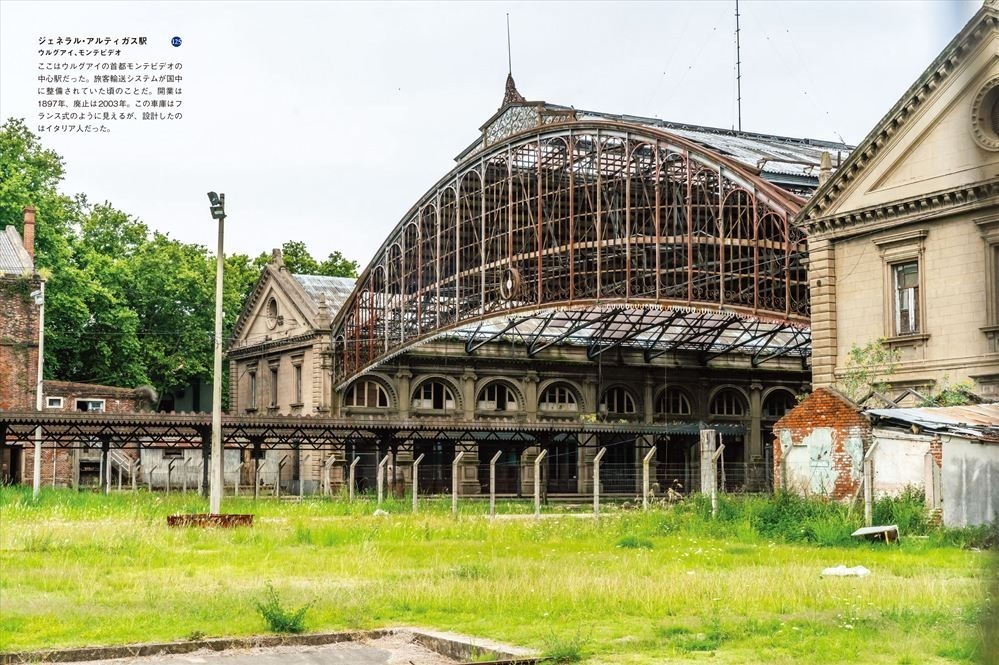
(749, 148)
(977, 421)
(14, 258)
(335, 289)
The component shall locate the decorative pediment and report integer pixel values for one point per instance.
(926, 144)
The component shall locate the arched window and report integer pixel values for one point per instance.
(497, 397)
(434, 395)
(366, 393)
(617, 400)
(728, 402)
(673, 402)
(558, 397)
(777, 404)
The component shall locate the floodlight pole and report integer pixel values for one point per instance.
(216, 476)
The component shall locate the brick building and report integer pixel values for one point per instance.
(82, 466)
(819, 446)
(20, 297)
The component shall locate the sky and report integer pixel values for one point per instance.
(324, 122)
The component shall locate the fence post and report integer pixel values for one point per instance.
(596, 480)
(201, 476)
(380, 478)
(120, 470)
(416, 479)
(256, 478)
(170, 473)
(492, 483)
(134, 472)
(537, 482)
(454, 482)
(235, 482)
(183, 468)
(327, 489)
(645, 477)
(869, 484)
(149, 476)
(350, 490)
(707, 449)
(277, 481)
(714, 486)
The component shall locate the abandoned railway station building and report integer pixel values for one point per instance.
(582, 281)
(573, 266)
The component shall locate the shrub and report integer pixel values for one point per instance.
(559, 649)
(277, 617)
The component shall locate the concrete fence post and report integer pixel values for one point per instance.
(134, 473)
(492, 483)
(869, 484)
(455, 482)
(596, 480)
(277, 481)
(707, 446)
(149, 476)
(714, 486)
(350, 482)
(416, 481)
(380, 478)
(256, 478)
(201, 476)
(327, 466)
(537, 482)
(170, 474)
(645, 477)
(235, 480)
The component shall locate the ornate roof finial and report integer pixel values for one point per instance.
(511, 95)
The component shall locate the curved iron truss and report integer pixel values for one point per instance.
(599, 233)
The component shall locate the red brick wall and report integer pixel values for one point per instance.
(824, 408)
(18, 343)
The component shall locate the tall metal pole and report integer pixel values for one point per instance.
(216, 478)
(738, 68)
(36, 483)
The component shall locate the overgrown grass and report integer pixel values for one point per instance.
(668, 585)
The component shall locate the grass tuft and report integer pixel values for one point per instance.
(634, 542)
(278, 618)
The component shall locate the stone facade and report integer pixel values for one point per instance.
(904, 238)
(279, 354)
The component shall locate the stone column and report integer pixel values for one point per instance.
(822, 286)
(531, 395)
(753, 452)
(403, 377)
(468, 394)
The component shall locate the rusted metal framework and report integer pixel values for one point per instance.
(592, 232)
(157, 430)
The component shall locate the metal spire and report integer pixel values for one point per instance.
(738, 68)
(509, 52)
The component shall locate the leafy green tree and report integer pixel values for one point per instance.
(299, 261)
(124, 305)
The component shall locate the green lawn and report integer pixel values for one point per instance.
(669, 585)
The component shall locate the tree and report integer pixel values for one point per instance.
(298, 260)
(125, 305)
(867, 368)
